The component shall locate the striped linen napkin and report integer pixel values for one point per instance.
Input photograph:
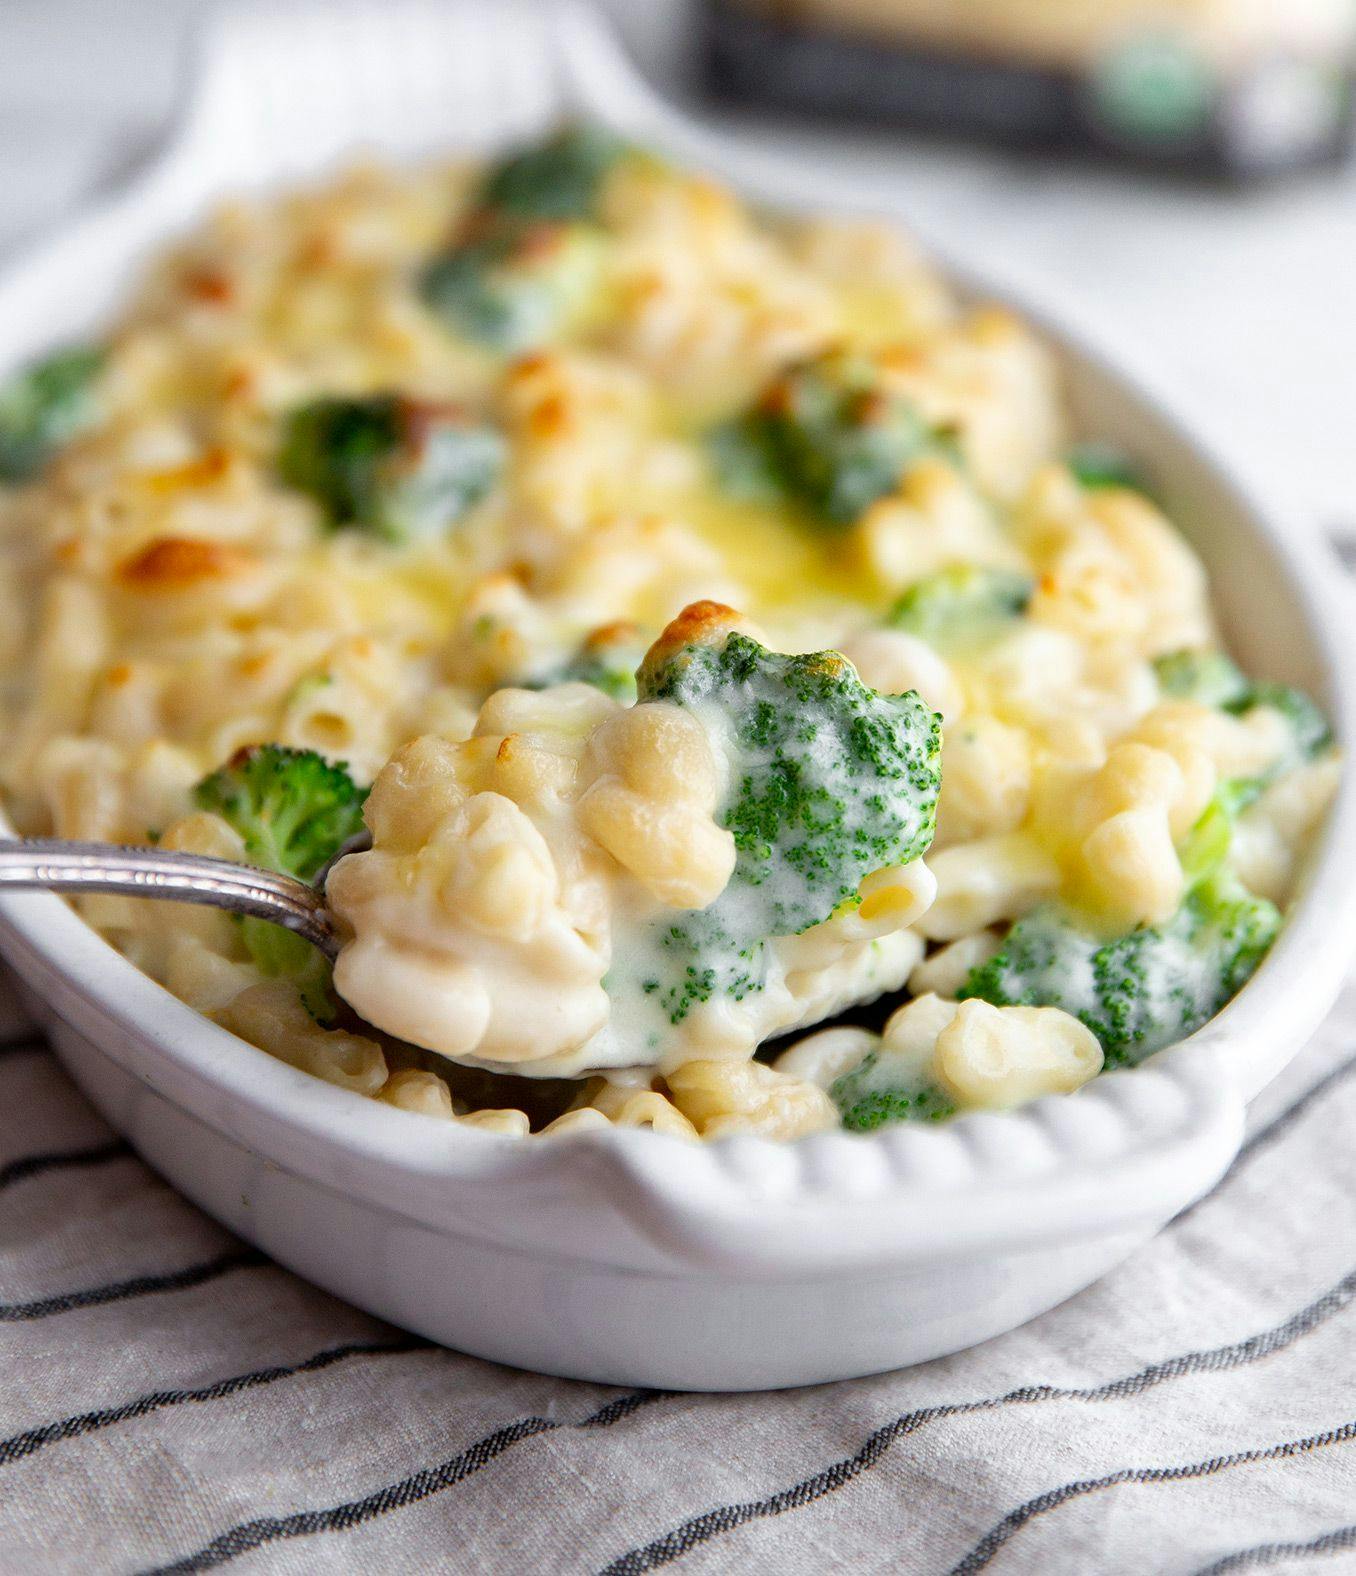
(171, 1401)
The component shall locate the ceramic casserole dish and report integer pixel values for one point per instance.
(627, 1256)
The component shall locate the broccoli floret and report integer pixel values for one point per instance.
(607, 660)
(44, 406)
(279, 954)
(827, 437)
(965, 605)
(1207, 677)
(528, 258)
(1206, 846)
(559, 178)
(401, 468)
(829, 782)
(1211, 679)
(1141, 991)
(510, 287)
(294, 810)
(870, 1095)
(1309, 728)
(1098, 466)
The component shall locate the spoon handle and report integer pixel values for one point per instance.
(50, 864)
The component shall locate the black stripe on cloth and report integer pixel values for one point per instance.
(1274, 1129)
(1269, 1553)
(17, 1446)
(1292, 1113)
(27, 1045)
(140, 1286)
(61, 1160)
(1220, 1359)
(1015, 1520)
(250, 1535)
(1341, 543)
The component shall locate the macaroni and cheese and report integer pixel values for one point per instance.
(713, 621)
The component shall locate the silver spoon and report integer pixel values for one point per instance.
(53, 864)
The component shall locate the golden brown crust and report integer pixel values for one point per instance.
(206, 470)
(176, 563)
(621, 632)
(699, 624)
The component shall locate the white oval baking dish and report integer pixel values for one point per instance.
(624, 1256)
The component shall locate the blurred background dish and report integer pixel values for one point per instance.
(1224, 87)
(1242, 295)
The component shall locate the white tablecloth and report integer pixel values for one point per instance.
(172, 1401)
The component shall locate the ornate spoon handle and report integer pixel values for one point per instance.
(49, 864)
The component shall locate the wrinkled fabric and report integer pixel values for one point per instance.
(170, 1399)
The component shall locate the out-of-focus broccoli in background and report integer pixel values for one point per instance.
(1209, 678)
(1309, 728)
(1100, 466)
(607, 660)
(293, 810)
(825, 436)
(403, 469)
(962, 606)
(528, 256)
(829, 782)
(557, 179)
(44, 406)
(510, 289)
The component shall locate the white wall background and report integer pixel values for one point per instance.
(1251, 300)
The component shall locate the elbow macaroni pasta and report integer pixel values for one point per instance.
(168, 600)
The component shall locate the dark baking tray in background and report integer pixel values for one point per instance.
(752, 61)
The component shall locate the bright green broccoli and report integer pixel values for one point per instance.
(44, 406)
(607, 660)
(963, 606)
(1099, 466)
(294, 810)
(828, 782)
(1142, 991)
(831, 781)
(400, 468)
(280, 954)
(872, 1095)
(825, 436)
(1206, 846)
(557, 179)
(510, 287)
